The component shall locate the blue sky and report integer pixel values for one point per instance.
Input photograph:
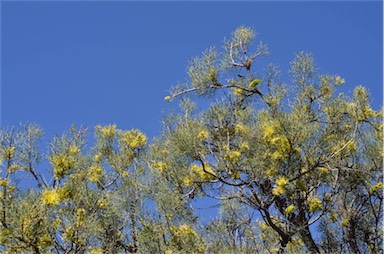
(112, 62)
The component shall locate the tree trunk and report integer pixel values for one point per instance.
(354, 248)
(308, 240)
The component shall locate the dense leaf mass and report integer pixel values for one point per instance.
(292, 167)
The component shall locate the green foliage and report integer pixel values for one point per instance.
(277, 157)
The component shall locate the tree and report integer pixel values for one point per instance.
(297, 153)
(294, 168)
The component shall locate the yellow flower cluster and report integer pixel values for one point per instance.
(290, 209)
(314, 204)
(280, 142)
(187, 181)
(200, 174)
(233, 156)
(45, 240)
(202, 135)
(244, 146)
(8, 152)
(96, 251)
(50, 197)
(108, 131)
(80, 216)
(282, 147)
(13, 168)
(95, 173)
(269, 129)
(73, 150)
(4, 182)
(183, 231)
(333, 217)
(159, 165)
(272, 171)
(98, 158)
(241, 129)
(61, 164)
(350, 148)
(65, 192)
(376, 187)
(323, 170)
(339, 81)
(238, 91)
(281, 183)
(133, 138)
(344, 222)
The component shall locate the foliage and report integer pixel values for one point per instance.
(284, 162)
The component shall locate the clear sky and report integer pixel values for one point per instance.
(112, 62)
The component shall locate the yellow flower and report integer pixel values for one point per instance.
(183, 231)
(352, 146)
(101, 202)
(239, 128)
(278, 190)
(238, 91)
(282, 181)
(187, 181)
(290, 209)
(45, 240)
(161, 166)
(133, 138)
(95, 173)
(333, 217)
(8, 152)
(344, 222)
(97, 158)
(244, 146)
(236, 175)
(268, 131)
(61, 164)
(376, 187)
(199, 172)
(202, 135)
(4, 182)
(272, 171)
(73, 150)
(323, 170)
(107, 132)
(50, 197)
(339, 81)
(13, 168)
(96, 251)
(167, 98)
(314, 204)
(233, 156)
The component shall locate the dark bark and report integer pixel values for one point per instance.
(307, 238)
(351, 234)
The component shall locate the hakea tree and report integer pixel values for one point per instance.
(88, 202)
(294, 167)
(300, 154)
(100, 199)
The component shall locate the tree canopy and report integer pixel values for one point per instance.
(293, 167)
